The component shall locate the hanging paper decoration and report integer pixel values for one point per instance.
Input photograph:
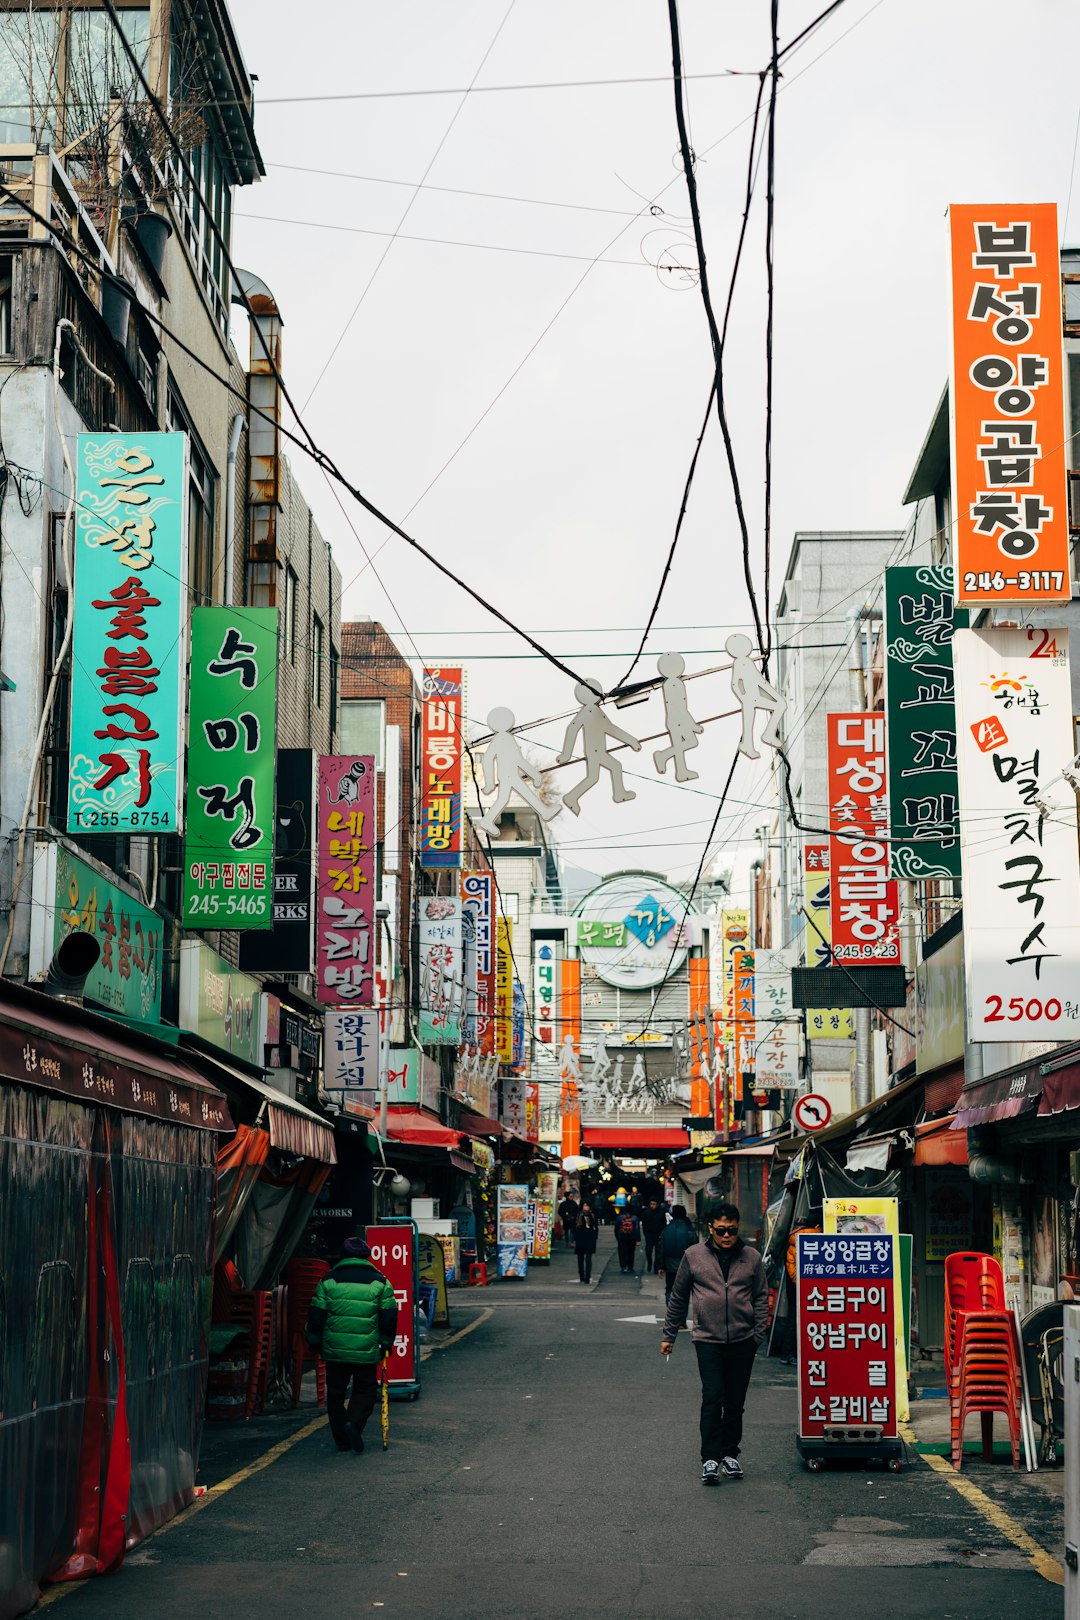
(592, 725)
(753, 692)
(504, 770)
(682, 729)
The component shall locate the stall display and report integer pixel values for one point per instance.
(513, 1241)
(395, 1252)
(865, 1215)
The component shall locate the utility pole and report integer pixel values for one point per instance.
(857, 699)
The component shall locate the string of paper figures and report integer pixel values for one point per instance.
(504, 768)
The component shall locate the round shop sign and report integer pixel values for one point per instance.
(812, 1112)
(632, 931)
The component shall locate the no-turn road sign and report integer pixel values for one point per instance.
(812, 1112)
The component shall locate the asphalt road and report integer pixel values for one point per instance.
(550, 1469)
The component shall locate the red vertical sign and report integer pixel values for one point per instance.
(345, 887)
(864, 900)
(442, 746)
(392, 1254)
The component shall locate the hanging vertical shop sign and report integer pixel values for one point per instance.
(287, 946)
(129, 648)
(532, 1111)
(745, 1023)
(440, 969)
(822, 1023)
(544, 997)
(229, 841)
(519, 1006)
(846, 1310)
(921, 713)
(70, 896)
(1018, 835)
(778, 1024)
(570, 1056)
(701, 1100)
(478, 896)
(734, 934)
(504, 990)
(513, 1103)
(1010, 446)
(864, 900)
(442, 747)
(345, 881)
(351, 1052)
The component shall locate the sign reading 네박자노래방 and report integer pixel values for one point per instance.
(1010, 447)
(1018, 834)
(229, 839)
(919, 622)
(345, 881)
(129, 644)
(864, 901)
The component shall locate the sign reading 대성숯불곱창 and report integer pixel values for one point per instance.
(864, 901)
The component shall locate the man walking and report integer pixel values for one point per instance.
(726, 1280)
(653, 1221)
(352, 1321)
(569, 1211)
(627, 1237)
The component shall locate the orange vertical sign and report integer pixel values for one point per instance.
(570, 1014)
(1009, 509)
(700, 1093)
(745, 1017)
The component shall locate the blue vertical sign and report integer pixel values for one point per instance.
(129, 657)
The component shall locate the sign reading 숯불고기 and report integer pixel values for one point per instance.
(1018, 835)
(129, 647)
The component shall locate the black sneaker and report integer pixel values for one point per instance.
(732, 1468)
(356, 1439)
(710, 1473)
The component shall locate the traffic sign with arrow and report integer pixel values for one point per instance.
(812, 1112)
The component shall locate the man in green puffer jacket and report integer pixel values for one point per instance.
(352, 1322)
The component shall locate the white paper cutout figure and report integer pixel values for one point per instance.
(753, 692)
(682, 729)
(601, 1062)
(595, 728)
(617, 1083)
(637, 1073)
(504, 767)
(569, 1062)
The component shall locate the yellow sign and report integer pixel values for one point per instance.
(734, 936)
(822, 1023)
(504, 990)
(854, 1217)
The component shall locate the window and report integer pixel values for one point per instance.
(44, 48)
(291, 584)
(363, 727)
(200, 511)
(5, 304)
(316, 659)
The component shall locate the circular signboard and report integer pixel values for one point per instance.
(812, 1112)
(632, 931)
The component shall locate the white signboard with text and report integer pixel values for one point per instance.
(1018, 834)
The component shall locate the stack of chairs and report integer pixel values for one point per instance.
(251, 1310)
(982, 1359)
(302, 1278)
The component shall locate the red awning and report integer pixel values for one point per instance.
(661, 1139)
(479, 1125)
(1002, 1096)
(412, 1125)
(1061, 1089)
(937, 1143)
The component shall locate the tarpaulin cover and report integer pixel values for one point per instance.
(419, 1129)
(107, 1222)
(292, 1127)
(273, 1221)
(660, 1139)
(238, 1166)
(1061, 1090)
(937, 1143)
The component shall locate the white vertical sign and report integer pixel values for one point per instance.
(776, 1067)
(1018, 834)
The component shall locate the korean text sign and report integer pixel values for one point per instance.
(442, 747)
(229, 845)
(845, 1310)
(351, 1051)
(1009, 442)
(392, 1254)
(504, 989)
(345, 881)
(441, 968)
(127, 977)
(919, 703)
(478, 896)
(743, 1009)
(864, 901)
(1018, 835)
(776, 1061)
(734, 933)
(129, 651)
(830, 1023)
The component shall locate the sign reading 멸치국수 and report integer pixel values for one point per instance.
(1010, 447)
(1018, 834)
(129, 653)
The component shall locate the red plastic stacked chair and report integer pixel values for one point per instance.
(302, 1278)
(981, 1355)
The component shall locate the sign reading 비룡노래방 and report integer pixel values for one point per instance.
(229, 841)
(129, 647)
(442, 749)
(1018, 833)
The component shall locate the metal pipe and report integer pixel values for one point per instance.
(236, 427)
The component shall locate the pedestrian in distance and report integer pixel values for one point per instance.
(627, 1237)
(586, 1229)
(725, 1279)
(675, 1239)
(653, 1222)
(352, 1321)
(569, 1210)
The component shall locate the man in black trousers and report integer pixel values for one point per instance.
(726, 1280)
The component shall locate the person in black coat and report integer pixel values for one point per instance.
(585, 1232)
(653, 1221)
(627, 1237)
(673, 1244)
(568, 1214)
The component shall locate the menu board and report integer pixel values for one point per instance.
(513, 1240)
(845, 1300)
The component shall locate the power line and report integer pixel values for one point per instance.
(485, 89)
(456, 191)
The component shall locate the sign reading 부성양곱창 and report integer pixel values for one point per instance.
(1018, 834)
(129, 642)
(846, 1313)
(229, 838)
(345, 881)
(919, 622)
(1010, 447)
(864, 901)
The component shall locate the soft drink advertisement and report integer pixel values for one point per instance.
(392, 1254)
(847, 1361)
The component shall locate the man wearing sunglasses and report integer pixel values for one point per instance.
(725, 1279)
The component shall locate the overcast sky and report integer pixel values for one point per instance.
(580, 386)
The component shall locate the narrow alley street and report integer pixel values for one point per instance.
(550, 1468)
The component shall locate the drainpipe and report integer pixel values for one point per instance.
(264, 440)
(236, 427)
(857, 699)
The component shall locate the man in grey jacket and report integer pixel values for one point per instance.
(726, 1280)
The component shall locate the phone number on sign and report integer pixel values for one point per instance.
(130, 818)
(997, 1010)
(226, 905)
(1040, 579)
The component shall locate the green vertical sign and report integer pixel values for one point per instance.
(919, 702)
(229, 847)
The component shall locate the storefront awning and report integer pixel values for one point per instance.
(937, 1143)
(1060, 1084)
(1003, 1096)
(292, 1127)
(660, 1139)
(479, 1125)
(418, 1129)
